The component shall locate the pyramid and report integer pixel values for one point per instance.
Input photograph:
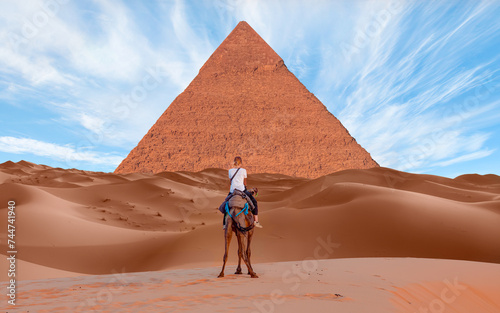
(245, 102)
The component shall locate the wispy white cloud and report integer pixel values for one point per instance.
(66, 153)
(467, 157)
(196, 44)
(92, 123)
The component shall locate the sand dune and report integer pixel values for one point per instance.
(70, 218)
(73, 222)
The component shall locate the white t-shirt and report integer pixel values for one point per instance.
(238, 180)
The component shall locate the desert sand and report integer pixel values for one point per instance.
(342, 285)
(373, 240)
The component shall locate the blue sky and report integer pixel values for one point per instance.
(415, 82)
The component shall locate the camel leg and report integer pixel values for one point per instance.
(240, 252)
(249, 252)
(245, 256)
(227, 235)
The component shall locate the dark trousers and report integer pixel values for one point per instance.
(255, 211)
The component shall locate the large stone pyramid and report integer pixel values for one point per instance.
(245, 102)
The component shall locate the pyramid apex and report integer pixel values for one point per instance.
(244, 25)
(242, 50)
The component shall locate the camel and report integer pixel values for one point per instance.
(240, 221)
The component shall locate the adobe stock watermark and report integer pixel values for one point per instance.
(295, 276)
(362, 37)
(11, 253)
(279, 123)
(122, 108)
(35, 23)
(448, 295)
(150, 81)
(227, 6)
(199, 198)
(115, 285)
(457, 113)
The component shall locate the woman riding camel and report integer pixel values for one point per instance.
(238, 180)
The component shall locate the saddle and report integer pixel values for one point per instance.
(236, 199)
